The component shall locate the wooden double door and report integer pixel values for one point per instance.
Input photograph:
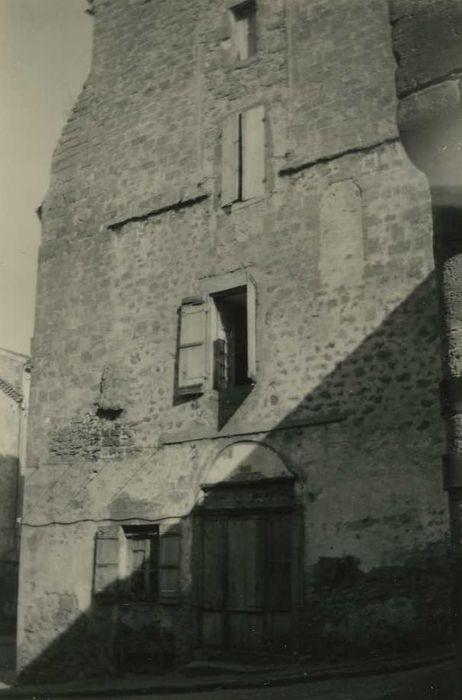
(247, 586)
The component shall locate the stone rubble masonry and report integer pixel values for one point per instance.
(340, 248)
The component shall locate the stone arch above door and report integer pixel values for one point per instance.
(245, 463)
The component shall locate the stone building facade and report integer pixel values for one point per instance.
(14, 375)
(235, 435)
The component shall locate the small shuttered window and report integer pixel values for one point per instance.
(138, 562)
(191, 351)
(253, 152)
(230, 160)
(243, 156)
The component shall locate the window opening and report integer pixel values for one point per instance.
(138, 562)
(231, 344)
(142, 562)
(244, 30)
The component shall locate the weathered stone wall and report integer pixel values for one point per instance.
(340, 250)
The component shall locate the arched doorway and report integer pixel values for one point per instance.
(248, 560)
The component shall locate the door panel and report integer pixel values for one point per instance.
(246, 582)
(246, 630)
(245, 564)
(278, 631)
(213, 563)
(213, 629)
(278, 564)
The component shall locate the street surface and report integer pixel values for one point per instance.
(434, 683)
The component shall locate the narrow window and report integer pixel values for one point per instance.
(141, 575)
(244, 30)
(243, 156)
(234, 343)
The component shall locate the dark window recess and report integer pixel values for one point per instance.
(137, 563)
(142, 562)
(244, 30)
(109, 413)
(231, 347)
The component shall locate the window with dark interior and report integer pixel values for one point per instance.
(137, 563)
(217, 339)
(141, 570)
(244, 30)
(230, 344)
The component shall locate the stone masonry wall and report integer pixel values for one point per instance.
(340, 250)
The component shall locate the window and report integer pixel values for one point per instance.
(243, 156)
(244, 30)
(218, 334)
(137, 562)
(230, 346)
(141, 565)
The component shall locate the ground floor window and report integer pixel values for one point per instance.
(137, 563)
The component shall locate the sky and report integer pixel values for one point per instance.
(45, 51)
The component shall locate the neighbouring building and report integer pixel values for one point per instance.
(14, 381)
(235, 436)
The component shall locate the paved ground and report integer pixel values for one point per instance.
(432, 683)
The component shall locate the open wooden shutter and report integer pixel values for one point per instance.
(230, 160)
(106, 574)
(191, 360)
(169, 563)
(253, 152)
(219, 364)
(251, 329)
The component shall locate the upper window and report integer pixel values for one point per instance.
(218, 339)
(243, 156)
(244, 30)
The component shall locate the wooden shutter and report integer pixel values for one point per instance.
(191, 360)
(253, 152)
(251, 329)
(169, 563)
(230, 160)
(106, 574)
(219, 364)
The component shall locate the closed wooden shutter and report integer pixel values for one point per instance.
(253, 152)
(169, 563)
(251, 329)
(230, 160)
(106, 574)
(191, 360)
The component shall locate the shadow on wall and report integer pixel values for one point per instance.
(389, 384)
